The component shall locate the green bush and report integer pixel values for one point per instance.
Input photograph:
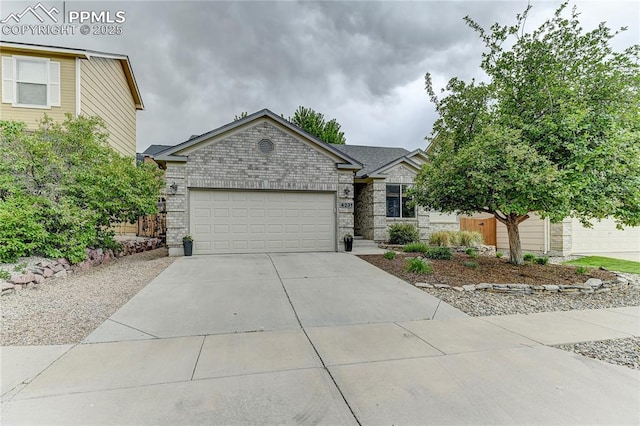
(472, 265)
(418, 266)
(62, 188)
(529, 257)
(581, 270)
(471, 252)
(542, 260)
(390, 255)
(21, 227)
(499, 254)
(439, 253)
(4, 275)
(403, 233)
(416, 247)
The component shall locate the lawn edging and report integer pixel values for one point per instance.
(49, 269)
(592, 285)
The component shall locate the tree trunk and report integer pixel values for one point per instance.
(515, 248)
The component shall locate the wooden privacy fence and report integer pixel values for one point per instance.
(154, 226)
(486, 226)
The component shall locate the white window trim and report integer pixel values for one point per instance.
(15, 81)
(415, 210)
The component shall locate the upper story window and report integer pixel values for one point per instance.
(398, 202)
(30, 82)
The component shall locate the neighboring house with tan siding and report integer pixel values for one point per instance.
(40, 79)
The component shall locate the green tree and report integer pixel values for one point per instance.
(242, 115)
(554, 130)
(70, 185)
(314, 123)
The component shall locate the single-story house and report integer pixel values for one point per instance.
(261, 184)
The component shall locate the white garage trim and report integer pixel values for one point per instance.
(222, 221)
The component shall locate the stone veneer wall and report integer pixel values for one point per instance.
(400, 174)
(363, 210)
(560, 238)
(235, 162)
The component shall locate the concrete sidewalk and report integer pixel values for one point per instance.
(320, 349)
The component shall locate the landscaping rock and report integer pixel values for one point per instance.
(469, 287)
(593, 282)
(38, 279)
(7, 286)
(551, 287)
(23, 279)
(47, 272)
(60, 274)
(58, 267)
(442, 286)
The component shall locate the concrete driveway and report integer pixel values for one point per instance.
(317, 338)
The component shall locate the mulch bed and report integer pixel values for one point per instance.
(490, 270)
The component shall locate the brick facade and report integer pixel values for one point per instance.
(371, 208)
(235, 161)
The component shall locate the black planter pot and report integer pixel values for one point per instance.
(188, 247)
(348, 243)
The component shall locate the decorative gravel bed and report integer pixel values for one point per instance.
(617, 351)
(482, 303)
(66, 310)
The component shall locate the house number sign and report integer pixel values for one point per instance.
(346, 205)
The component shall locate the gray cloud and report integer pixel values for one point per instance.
(200, 63)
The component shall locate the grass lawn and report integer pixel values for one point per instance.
(618, 265)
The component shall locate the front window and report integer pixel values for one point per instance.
(31, 82)
(399, 203)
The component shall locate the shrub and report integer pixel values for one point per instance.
(403, 233)
(471, 252)
(581, 270)
(21, 227)
(456, 238)
(499, 254)
(529, 257)
(390, 255)
(418, 266)
(417, 247)
(62, 188)
(472, 265)
(443, 238)
(470, 238)
(440, 253)
(542, 260)
(4, 275)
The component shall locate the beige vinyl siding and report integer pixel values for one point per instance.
(32, 116)
(531, 233)
(106, 93)
(604, 238)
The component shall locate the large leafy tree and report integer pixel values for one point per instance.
(555, 129)
(314, 123)
(62, 188)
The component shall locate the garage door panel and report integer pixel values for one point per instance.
(259, 221)
(604, 237)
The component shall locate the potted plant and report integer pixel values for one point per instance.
(348, 242)
(187, 244)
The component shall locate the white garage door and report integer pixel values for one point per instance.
(604, 238)
(261, 221)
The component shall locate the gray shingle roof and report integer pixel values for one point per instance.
(372, 157)
(155, 149)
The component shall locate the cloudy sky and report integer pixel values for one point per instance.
(199, 63)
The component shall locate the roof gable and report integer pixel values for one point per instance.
(180, 152)
(377, 160)
(82, 54)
